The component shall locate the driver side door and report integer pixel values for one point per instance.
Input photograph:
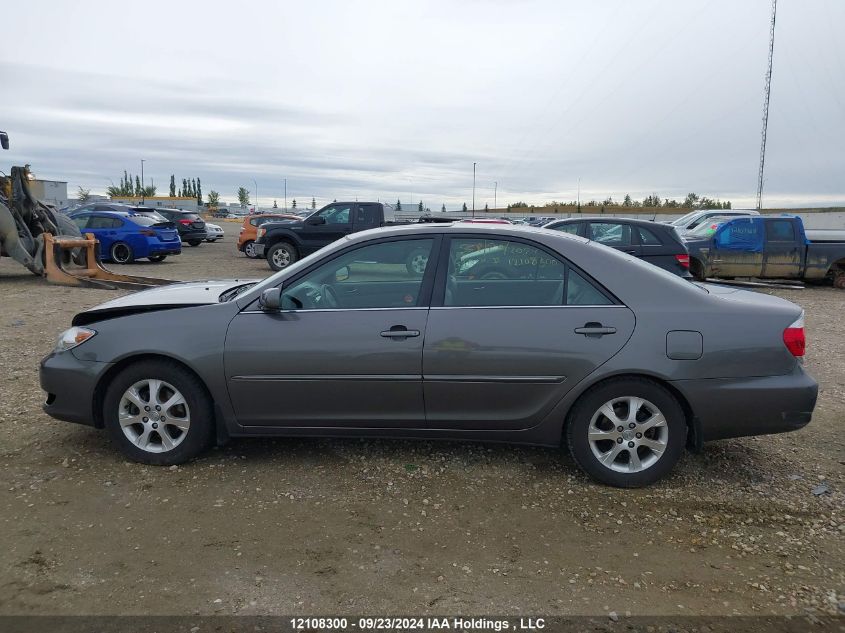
(326, 226)
(345, 350)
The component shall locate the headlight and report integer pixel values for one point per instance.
(260, 233)
(73, 337)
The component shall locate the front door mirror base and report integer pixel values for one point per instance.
(270, 300)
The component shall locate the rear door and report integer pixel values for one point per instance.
(512, 328)
(616, 235)
(782, 255)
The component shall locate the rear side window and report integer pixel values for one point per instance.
(648, 238)
(610, 233)
(487, 273)
(780, 231)
(100, 222)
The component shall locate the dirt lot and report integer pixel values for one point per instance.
(378, 527)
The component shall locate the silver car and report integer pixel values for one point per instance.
(508, 333)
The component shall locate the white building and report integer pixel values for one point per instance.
(52, 192)
(186, 203)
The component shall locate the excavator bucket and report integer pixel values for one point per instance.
(58, 268)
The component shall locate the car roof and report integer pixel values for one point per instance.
(604, 218)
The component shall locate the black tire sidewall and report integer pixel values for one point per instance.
(245, 249)
(277, 247)
(157, 259)
(588, 404)
(194, 242)
(201, 431)
(116, 245)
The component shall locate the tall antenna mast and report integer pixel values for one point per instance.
(766, 107)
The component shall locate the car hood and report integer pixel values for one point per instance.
(177, 295)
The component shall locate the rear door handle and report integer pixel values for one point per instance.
(595, 329)
(399, 331)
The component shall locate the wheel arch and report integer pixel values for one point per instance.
(283, 236)
(694, 435)
(108, 376)
(696, 267)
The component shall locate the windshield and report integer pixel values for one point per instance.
(706, 229)
(684, 219)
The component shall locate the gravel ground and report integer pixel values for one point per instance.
(378, 527)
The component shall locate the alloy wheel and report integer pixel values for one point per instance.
(628, 434)
(154, 416)
(281, 257)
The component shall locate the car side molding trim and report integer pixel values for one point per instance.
(301, 377)
(487, 378)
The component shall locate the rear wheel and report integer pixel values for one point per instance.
(249, 250)
(157, 258)
(281, 255)
(159, 413)
(627, 432)
(121, 253)
(194, 242)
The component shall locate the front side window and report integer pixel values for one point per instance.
(610, 233)
(101, 222)
(383, 275)
(335, 214)
(81, 221)
(742, 235)
(571, 228)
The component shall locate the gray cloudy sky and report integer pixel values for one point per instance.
(397, 99)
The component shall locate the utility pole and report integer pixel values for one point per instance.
(256, 195)
(768, 90)
(579, 194)
(473, 190)
(286, 195)
(143, 193)
(495, 191)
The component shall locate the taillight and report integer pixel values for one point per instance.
(683, 260)
(148, 233)
(794, 338)
(186, 222)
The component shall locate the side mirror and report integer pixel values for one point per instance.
(271, 300)
(318, 220)
(4, 140)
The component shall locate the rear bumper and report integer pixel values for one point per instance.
(193, 235)
(70, 383)
(739, 407)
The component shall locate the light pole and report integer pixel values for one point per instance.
(495, 191)
(143, 193)
(286, 195)
(579, 194)
(256, 195)
(473, 190)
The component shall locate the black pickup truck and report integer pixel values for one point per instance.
(283, 243)
(766, 247)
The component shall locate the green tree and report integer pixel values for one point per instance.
(199, 191)
(313, 203)
(486, 208)
(420, 207)
(690, 201)
(293, 204)
(243, 196)
(83, 195)
(193, 186)
(213, 199)
(137, 186)
(627, 202)
(398, 204)
(464, 207)
(184, 187)
(443, 208)
(275, 206)
(172, 186)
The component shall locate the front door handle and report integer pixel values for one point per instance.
(399, 331)
(593, 329)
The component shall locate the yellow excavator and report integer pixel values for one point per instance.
(48, 243)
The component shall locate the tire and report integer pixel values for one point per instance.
(417, 261)
(665, 440)
(156, 259)
(249, 249)
(121, 253)
(194, 242)
(281, 255)
(696, 269)
(194, 430)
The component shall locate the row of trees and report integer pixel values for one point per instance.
(692, 201)
(190, 188)
(131, 187)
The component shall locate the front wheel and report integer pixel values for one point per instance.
(249, 250)
(155, 259)
(281, 255)
(159, 413)
(627, 432)
(194, 242)
(121, 253)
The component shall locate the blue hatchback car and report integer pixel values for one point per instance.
(126, 237)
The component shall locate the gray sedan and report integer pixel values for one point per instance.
(508, 333)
